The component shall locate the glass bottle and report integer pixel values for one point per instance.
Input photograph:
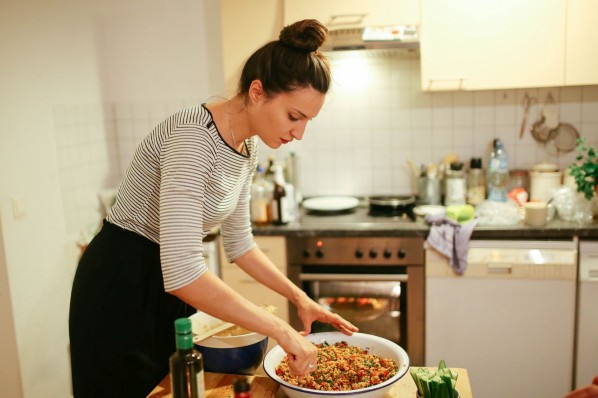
(476, 185)
(261, 196)
(498, 173)
(280, 201)
(186, 364)
(241, 387)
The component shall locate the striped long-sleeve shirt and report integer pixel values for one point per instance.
(185, 180)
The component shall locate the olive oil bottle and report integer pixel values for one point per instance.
(186, 364)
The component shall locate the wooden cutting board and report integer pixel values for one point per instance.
(219, 385)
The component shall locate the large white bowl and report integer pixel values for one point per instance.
(374, 344)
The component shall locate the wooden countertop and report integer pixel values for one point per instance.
(220, 386)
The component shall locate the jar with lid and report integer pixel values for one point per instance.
(261, 197)
(519, 185)
(455, 185)
(476, 184)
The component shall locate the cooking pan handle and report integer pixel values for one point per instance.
(354, 277)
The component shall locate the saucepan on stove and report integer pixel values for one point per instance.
(392, 205)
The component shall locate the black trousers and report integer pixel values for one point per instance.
(121, 321)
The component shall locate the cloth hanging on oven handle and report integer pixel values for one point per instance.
(354, 277)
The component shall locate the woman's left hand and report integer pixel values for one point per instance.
(310, 311)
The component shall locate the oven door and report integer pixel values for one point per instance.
(375, 302)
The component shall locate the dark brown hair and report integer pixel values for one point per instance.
(293, 61)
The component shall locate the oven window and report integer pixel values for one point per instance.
(375, 307)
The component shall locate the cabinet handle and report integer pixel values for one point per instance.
(353, 277)
(499, 269)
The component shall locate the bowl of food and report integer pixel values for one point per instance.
(234, 350)
(361, 365)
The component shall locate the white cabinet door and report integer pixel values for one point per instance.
(582, 43)
(353, 13)
(492, 44)
(275, 248)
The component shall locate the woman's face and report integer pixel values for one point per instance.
(281, 119)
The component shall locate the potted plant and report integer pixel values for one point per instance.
(585, 170)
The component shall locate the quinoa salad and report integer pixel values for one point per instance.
(341, 367)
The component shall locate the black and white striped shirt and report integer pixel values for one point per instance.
(185, 180)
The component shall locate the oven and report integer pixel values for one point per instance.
(375, 282)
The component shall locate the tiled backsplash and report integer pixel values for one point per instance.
(375, 119)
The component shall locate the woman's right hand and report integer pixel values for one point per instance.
(303, 354)
(590, 391)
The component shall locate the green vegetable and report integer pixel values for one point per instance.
(439, 383)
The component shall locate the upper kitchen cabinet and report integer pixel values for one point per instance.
(492, 44)
(337, 14)
(246, 25)
(581, 66)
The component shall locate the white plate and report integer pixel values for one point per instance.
(330, 203)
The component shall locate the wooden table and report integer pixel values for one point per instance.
(219, 385)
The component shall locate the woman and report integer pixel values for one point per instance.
(192, 173)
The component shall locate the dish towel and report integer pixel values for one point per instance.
(451, 239)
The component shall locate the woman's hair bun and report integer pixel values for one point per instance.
(307, 35)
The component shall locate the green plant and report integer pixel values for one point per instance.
(585, 170)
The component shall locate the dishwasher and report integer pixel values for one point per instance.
(509, 319)
(586, 367)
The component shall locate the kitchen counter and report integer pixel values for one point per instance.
(219, 386)
(359, 223)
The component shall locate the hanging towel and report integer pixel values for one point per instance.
(451, 239)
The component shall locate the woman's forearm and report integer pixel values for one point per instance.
(263, 270)
(211, 295)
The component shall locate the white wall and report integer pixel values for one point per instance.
(67, 66)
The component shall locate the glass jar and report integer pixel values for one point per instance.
(519, 185)
(476, 183)
(455, 189)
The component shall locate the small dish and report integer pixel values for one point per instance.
(425, 210)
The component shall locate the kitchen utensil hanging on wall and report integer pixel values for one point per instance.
(565, 137)
(544, 128)
(527, 102)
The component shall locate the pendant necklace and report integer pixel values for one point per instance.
(230, 123)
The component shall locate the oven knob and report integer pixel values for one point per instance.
(402, 253)
(358, 253)
(319, 253)
(387, 253)
(306, 253)
(373, 253)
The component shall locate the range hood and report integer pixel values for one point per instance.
(373, 38)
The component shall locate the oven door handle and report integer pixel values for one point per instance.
(354, 277)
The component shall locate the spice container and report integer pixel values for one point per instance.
(519, 186)
(241, 387)
(455, 189)
(476, 183)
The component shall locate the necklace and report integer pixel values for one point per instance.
(230, 123)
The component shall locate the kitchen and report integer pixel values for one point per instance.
(96, 86)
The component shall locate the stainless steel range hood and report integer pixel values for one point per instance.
(374, 38)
